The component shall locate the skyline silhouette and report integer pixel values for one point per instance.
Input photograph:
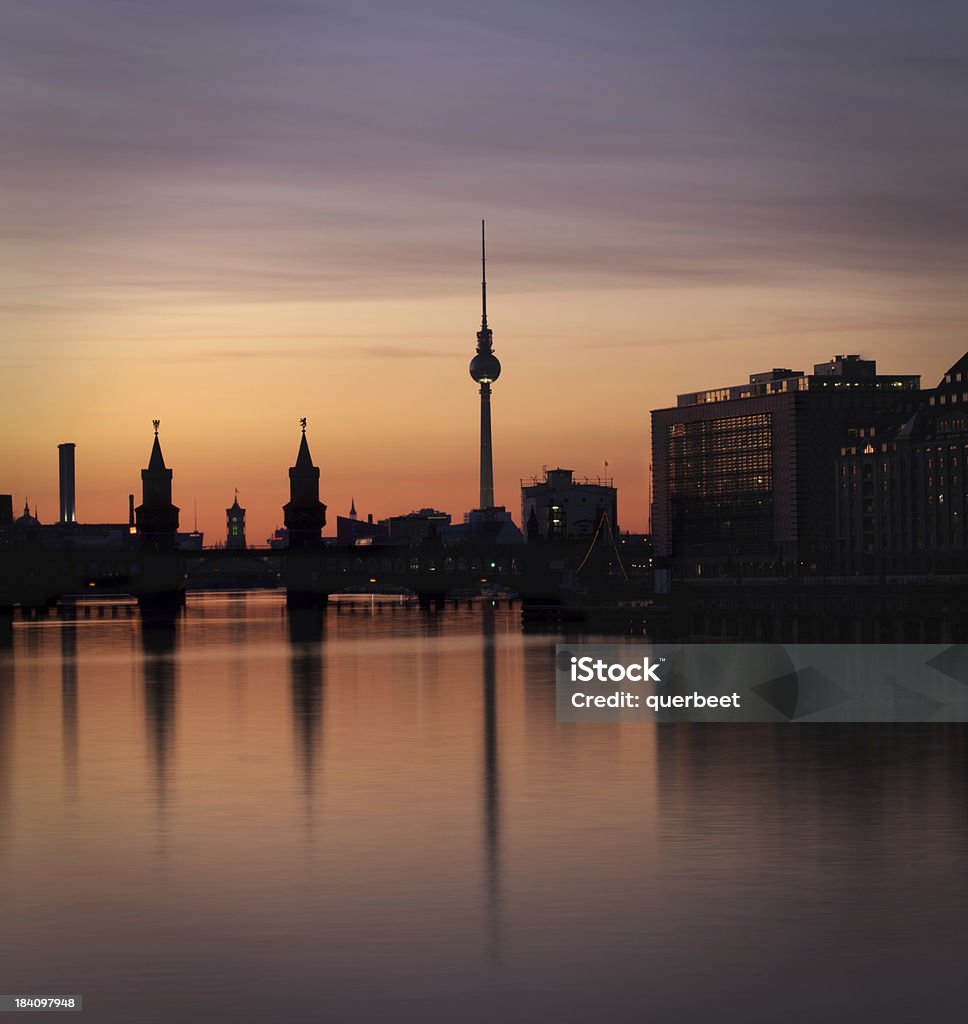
(632, 509)
(279, 219)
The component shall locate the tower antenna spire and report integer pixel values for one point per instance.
(483, 280)
(485, 368)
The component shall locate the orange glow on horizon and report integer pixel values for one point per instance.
(394, 419)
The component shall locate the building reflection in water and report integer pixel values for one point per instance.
(159, 642)
(432, 620)
(491, 793)
(68, 651)
(237, 611)
(307, 630)
(823, 799)
(6, 723)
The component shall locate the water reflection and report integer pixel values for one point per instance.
(6, 630)
(306, 674)
(159, 644)
(483, 861)
(7, 703)
(491, 782)
(68, 652)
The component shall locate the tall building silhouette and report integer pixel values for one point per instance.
(68, 509)
(304, 513)
(901, 501)
(485, 369)
(744, 477)
(235, 526)
(156, 517)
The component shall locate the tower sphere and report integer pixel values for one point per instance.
(485, 368)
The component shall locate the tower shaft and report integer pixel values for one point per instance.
(66, 467)
(487, 461)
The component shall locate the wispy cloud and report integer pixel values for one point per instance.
(305, 149)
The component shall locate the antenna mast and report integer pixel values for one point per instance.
(483, 281)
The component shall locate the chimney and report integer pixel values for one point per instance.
(68, 511)
(131, 510)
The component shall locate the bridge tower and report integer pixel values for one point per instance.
(305, 514)
(156, 517)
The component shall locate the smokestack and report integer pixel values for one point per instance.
(130, 510)
(68, 511)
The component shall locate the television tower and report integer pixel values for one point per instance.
(485, 369)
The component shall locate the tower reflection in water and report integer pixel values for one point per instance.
(68, 646)
(6, 723)
(491, 793)
(159, 644)
(307, 632)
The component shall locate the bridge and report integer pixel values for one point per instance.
(35, 575)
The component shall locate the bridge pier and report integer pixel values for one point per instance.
(6, 626)
(37, 609)
(307, 623)
(160, 606)
(431, 600)
(306, 599)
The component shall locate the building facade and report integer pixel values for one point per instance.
(902, 498)
(743, 476)
(415, 527)
(559, 507)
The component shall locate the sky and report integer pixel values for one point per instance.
(228, 215)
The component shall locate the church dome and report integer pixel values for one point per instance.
(26, 521)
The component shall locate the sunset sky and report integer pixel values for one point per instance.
(229, 215)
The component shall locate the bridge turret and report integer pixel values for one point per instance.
(304, 513)
(156, 517)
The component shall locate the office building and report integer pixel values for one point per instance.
(743, 476)
(901, 492)
(415, 527)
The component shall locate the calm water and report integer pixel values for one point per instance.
(245, 816)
